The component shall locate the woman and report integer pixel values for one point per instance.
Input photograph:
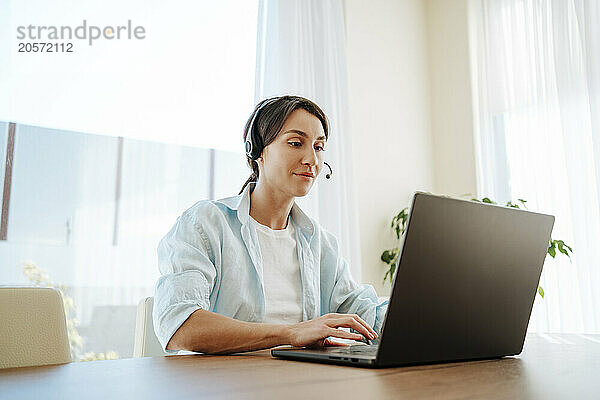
(253, 271)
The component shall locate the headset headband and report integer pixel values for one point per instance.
(253, 151)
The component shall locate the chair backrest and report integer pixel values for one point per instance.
(146, 343)
(33, 329)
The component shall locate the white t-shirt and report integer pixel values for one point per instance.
(281, 274)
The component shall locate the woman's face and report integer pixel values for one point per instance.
(291, 163)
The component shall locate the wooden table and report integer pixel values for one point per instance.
(550, 367)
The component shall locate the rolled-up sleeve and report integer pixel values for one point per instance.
(348, 297)
(187, 277)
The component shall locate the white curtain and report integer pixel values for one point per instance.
(301, 51)
(537, 86)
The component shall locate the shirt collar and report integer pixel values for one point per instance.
(241, 204)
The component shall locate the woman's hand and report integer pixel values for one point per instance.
(315, 333)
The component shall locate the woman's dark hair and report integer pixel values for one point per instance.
(267, 119)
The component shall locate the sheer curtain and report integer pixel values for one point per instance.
(301, 51)
(536, 69)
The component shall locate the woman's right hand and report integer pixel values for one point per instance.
(315, 333)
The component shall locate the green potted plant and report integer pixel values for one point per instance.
(400, 220)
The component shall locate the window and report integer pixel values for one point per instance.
(114, 141)
(90, 210)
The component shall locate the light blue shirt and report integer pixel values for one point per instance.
(211, 260)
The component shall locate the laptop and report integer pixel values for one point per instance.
(466, 279)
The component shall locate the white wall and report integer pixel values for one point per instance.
(451, 97)
(390, 118)
(411, 112)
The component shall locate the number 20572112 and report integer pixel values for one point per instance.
(42, 47)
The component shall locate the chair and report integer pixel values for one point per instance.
(33, 329)
(146, 343)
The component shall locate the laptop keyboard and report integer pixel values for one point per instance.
(358, 349)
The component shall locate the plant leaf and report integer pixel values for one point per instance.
(569, 247)
(512, 205)
(541, 291)
(562, 249)
(392, 269)
(552, 248)
(386, 257)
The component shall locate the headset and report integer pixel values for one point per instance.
(254, 145)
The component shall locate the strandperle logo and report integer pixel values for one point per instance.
(84, 31)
